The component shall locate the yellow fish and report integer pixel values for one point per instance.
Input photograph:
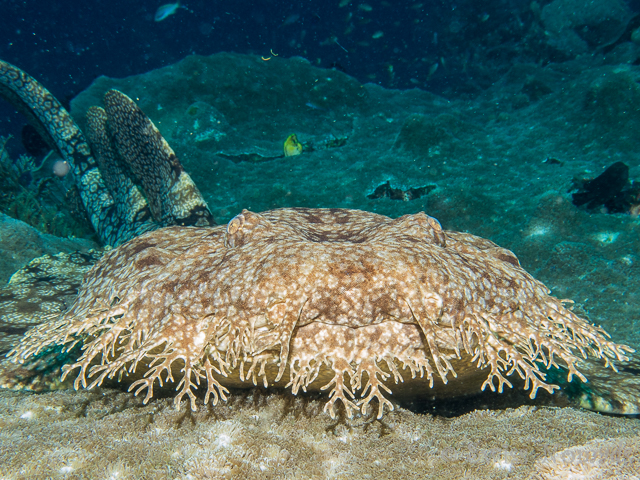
(292, 146)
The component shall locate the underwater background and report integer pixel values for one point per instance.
(517, 121)
(455, 49)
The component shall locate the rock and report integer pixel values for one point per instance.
(21, 243)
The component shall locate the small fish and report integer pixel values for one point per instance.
(290, 20)
(292, 146)
(378, 34)
(166, 10)
(313, 106)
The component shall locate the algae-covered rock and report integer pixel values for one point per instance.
(33, 193)
(20, 243)
(442, 136)
(204, 123)
(575, 26)
(613, 100)
(264, 101)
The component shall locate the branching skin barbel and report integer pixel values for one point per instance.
(351, 303)
(345, 301)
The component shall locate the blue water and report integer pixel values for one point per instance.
(449, 48)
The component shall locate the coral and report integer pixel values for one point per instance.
(121, 135)
(58, 129)
(605, 190)
(346, 301)
(37, 198)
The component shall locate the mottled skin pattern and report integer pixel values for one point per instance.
(130, 206)
(123, 139)
(173, 197)
(344, 301)
(62, 134)
(44, 288)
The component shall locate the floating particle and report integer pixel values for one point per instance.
(61, 168)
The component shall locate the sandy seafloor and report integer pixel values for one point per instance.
(227, 116)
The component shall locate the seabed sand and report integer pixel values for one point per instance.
(109, 434)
